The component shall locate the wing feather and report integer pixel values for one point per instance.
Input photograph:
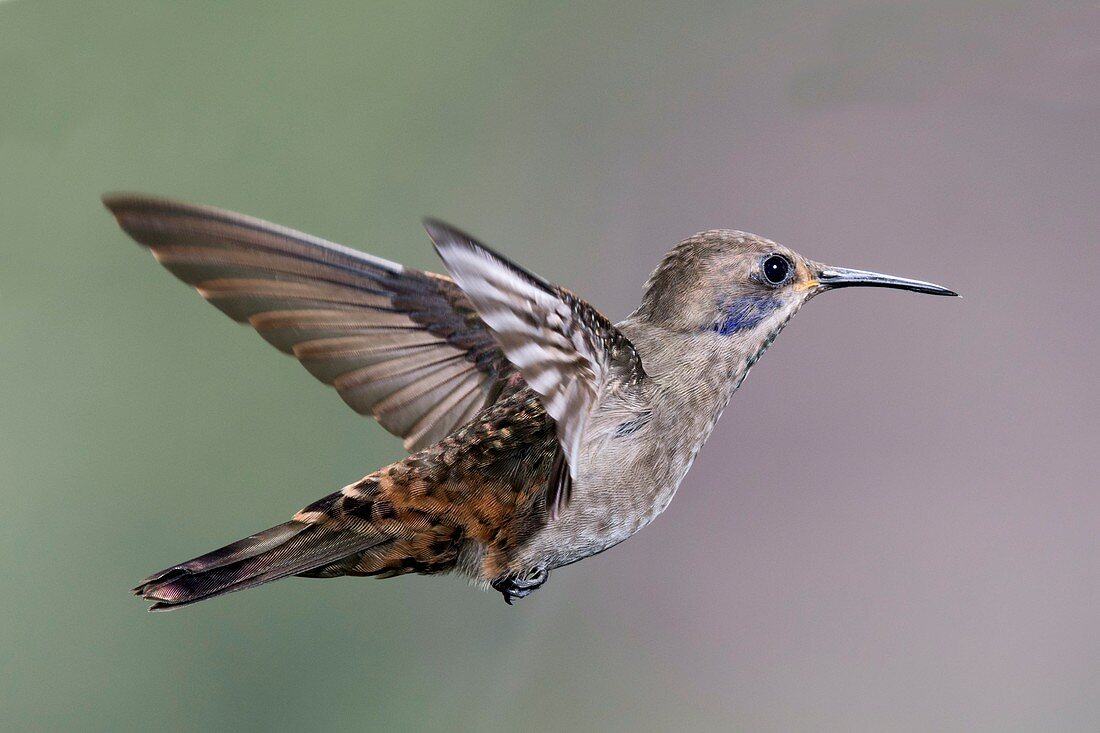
(565, 349)
(392, 340)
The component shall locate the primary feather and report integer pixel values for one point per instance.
(402, 345)
(566, 350)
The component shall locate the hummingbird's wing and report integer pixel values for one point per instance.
(405, 346)
(566, 350)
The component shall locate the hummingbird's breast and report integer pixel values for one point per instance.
(634, 460)
(638, 446)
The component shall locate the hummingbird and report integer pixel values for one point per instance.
(539, 433)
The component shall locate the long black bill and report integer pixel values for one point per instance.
(842, 277)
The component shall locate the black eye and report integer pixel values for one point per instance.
(776, 269)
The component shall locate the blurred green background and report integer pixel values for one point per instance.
(904, 540)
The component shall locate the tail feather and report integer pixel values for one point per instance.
(291, 548)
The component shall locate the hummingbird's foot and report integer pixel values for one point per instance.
(512, 587)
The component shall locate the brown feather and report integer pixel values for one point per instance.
(341, 312)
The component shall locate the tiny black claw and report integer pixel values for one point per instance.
(513, 587)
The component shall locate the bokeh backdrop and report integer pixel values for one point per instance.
(894, 527)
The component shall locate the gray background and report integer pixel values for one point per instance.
(894, 526)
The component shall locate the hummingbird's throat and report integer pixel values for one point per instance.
(742, 369)
(744, 313)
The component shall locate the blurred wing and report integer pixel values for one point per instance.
(566, 350)
(402, 345)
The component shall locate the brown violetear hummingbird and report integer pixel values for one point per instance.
(540, 433)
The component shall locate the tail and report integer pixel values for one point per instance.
(292, 548)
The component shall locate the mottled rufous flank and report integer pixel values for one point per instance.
(540, 432)
(471, 498)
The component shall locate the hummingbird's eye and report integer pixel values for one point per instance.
(776, 269)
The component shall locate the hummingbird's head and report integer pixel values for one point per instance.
(744, 288)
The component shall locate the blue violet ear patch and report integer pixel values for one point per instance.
(742, 313)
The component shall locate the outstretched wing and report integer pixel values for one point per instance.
(402, 345)
(566, 350)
